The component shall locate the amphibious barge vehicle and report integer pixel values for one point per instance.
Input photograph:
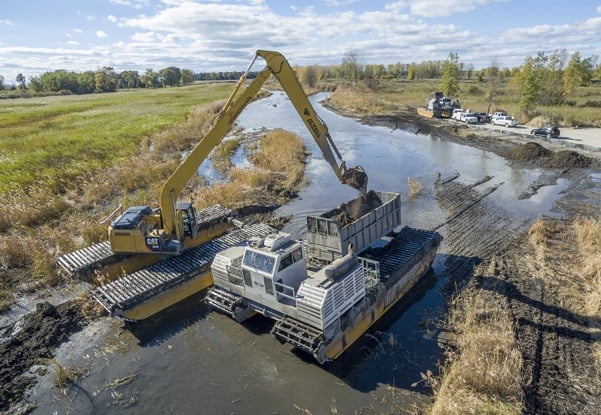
(324, 292)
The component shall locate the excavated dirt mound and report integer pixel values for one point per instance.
(528, 152)
(567, 159)
(540, 121)
(543, 157)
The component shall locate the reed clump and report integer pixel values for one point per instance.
(277, 167)
(484, 365)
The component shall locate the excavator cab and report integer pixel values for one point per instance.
(139, 229)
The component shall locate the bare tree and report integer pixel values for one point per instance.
(351, 65)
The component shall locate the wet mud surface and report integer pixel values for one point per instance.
(477, 230)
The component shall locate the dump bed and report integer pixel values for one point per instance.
(360, 222)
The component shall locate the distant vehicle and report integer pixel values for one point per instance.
(482, 116)
(505, 120)
(468, 118)
(457, 113)
(549, 132)
(498, 114)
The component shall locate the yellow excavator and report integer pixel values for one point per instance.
(172, 228)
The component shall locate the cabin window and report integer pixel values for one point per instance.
(247, 279)
(285, 262)
(259, 261)
(268, 285)
(297, 254)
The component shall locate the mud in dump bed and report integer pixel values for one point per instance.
(359, 222)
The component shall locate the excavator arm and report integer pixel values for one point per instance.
(235, 104)
(139, 229)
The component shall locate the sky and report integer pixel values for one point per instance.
(39, 36)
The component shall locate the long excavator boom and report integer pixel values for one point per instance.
(171, 223)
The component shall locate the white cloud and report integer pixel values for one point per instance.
(137, 4)
(442, 8)
(6, 22)
(100, 34)
(111, 18)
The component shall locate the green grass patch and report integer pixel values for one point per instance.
(51, 141)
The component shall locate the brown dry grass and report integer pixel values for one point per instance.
(415, 187)
(482, 371)
(360, 100)
(278, 163)
(588, 234)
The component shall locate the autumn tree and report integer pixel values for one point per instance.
(450, 75)
(129, 79)
(578, 72)
(170, 76)
(551, 85)
(150, 79)
(307, 76)
(86, 82)
(187, 77)
(411, 72)
(492, 86)
(527, 81)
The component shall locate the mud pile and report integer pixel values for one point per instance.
(567, 159)
(543, 157)
(37, 335)
(351, 211)
(528, 152)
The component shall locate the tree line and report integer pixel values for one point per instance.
(542, 79)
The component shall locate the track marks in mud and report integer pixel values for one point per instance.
(476, 228)
(559, 374)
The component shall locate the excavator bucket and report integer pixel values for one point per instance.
(356, 178)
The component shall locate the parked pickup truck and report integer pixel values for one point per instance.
(505, 120)
(498, 114)
(469, 118)
(457, 112)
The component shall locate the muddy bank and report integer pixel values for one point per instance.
(547, 155)
(32, 341)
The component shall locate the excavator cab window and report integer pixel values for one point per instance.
(188, 216)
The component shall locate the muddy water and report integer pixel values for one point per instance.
(192, 361)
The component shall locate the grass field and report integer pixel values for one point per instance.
(49, 142)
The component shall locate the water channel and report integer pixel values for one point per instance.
(189, 360)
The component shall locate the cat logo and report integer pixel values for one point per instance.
(152, 241)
